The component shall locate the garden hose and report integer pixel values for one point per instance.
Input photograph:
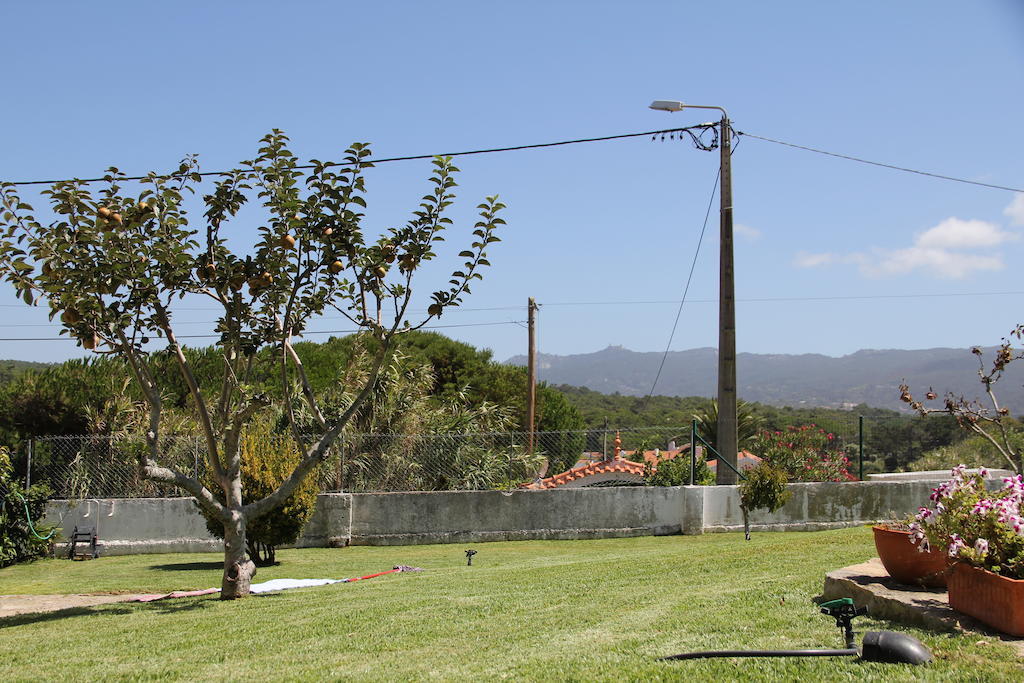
(28, 518)
(878, 646)
(852, 652)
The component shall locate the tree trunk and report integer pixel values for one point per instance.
(238, 568)
(746, 522)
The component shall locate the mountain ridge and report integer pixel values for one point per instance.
(869, 376)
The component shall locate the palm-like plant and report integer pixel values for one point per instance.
(748, 423)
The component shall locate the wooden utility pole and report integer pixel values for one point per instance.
(531, 371)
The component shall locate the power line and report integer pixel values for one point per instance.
(689, 278)
(414, 157)
(865, 297)
(883, 165)
(665, 302)
(217, 336)
(603, 138)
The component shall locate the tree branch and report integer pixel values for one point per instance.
(318, 452)
(307, 390)
(197, 396)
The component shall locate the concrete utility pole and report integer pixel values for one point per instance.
(727, 438)
(531, 370)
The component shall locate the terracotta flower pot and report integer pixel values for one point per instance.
(990, 598)
(905, 563)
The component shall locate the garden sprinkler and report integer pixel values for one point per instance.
(469, 557)
(878, 646)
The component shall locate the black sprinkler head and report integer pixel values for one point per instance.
(893, 648)
(469, 557)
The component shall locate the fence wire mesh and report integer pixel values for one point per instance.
(106, 467)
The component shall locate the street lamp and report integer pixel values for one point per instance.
(727, 446)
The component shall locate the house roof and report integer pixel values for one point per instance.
(613, 466)
(589, 468)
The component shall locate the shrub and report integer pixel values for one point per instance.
(21, 536)
(804, 453)
(267, 459)
(676, 472)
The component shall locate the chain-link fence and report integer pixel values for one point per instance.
(81, 467)
(106, 467)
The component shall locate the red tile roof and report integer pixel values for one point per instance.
(634, 470)
(589, 465)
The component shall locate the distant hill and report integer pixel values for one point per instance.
(867, 376)
(9, 369)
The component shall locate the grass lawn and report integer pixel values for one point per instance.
(537, 610)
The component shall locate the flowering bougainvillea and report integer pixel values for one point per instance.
(974, 525)
(805, 453)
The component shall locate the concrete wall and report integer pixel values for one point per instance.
(127, 526)
(148, 525)
(818, 505)
(463, 516)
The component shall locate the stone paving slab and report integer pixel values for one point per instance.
(870, 585)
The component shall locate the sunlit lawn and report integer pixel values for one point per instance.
(556, 610)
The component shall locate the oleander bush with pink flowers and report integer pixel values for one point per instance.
(804, 453)
(982, 527)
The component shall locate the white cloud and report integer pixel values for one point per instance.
(955, 233)
(940, 262)
(748, 232)
(805, 259)
(941, 251)
(1016, 210)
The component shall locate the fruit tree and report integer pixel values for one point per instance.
(111, 264)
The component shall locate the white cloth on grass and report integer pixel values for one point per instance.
(285, 584)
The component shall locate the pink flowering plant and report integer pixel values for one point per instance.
(974, 525)
(804, 453)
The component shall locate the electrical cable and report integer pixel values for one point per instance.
(217, 336)
(852, 297)
(883, 165)
(413, 157)
(601, 138)
(775, 299)
(689, 278)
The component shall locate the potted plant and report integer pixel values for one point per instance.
(907, 563)
(983, 532)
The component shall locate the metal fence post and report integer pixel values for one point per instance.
(341, 465)
(693, 449)
(28, 466)
(860, 445)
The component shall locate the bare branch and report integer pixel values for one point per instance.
(307, 390)
(197, 396)
(318, 452)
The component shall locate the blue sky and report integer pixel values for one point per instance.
(832, 256)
